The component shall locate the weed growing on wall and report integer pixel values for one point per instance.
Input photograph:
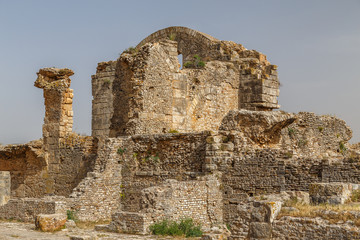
(71, 215)
(196, 63)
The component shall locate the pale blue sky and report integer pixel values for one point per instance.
(315, 43)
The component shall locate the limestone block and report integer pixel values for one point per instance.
(331, 193)
(265, 211)
(5, 181)
(259, 230)
(70, 224)
(50, 222)
(260, 127)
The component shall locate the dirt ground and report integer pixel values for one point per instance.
(18, 230)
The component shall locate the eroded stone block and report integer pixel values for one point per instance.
(331, 193)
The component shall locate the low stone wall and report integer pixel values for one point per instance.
(309, 228)
(130, 222)
(199, 200)
(26, 209)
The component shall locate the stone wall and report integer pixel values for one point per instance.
(68, 155)
(26, 209)
(27, 168)
(151, 159)
(97, 196)
(309, 228)
(174, 200)
(127, 165)
(102, 103)
(151, 94)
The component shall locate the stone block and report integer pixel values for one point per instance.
(5, 183)
(50, 222)
(265, 211)
(331, 193)
(259, 230)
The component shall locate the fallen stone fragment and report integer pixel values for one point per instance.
(50, 222)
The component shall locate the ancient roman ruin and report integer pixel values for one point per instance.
(168, 142)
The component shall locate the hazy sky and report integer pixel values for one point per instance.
(315, 43)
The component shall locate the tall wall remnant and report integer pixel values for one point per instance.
(145, 91)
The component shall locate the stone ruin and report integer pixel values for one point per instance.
(167, 142)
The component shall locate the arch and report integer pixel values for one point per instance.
(190, 42)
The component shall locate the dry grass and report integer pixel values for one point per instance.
(332, 213)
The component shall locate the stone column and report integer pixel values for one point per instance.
(58, 119)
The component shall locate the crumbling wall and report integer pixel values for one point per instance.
(97, 196)
(289, 228)
(150, 159)
(185, 199)
(153, 95)
(27, 168)
(68, 156)
(174, 200)
(26, 209)
(102, 103)
(316, 136)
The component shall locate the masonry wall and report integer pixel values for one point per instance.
(151, 159)
(185, 199)
(77, 155)
(127, 165)
(27, 169)
(152, 95)
(102, 103)
(97, 196)
(26, 209)
(288, 228)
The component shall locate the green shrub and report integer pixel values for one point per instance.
(291, 132)
(71, 215)
(355, 195)
(197, 63)
(121, 151)
(172, 36)
(186, 228)
(131, 50)
(201, 64)
(188, 64)
(342, 147)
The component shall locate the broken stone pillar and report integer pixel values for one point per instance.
(58, 119)
(4, 187)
